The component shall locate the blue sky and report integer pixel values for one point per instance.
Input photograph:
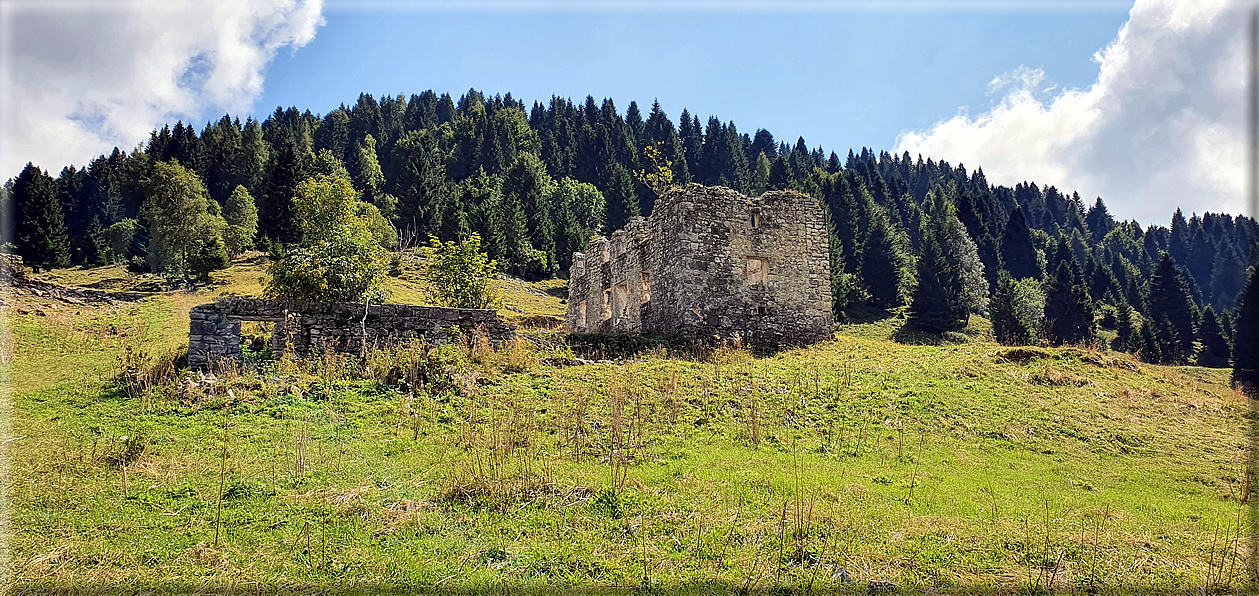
(1154, 124)
(842, 79)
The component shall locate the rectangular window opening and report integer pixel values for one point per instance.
(607, 304)
(581, 314)
(756, 219)
(646, 287)
(620, 300)
(757, 271)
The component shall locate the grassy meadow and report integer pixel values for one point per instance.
(950, 468)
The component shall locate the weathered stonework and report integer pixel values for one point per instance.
(710, 263)
(214, 330)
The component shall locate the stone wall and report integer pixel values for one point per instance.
(214, 332)
(710, 263)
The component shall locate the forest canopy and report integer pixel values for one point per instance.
(535, 182)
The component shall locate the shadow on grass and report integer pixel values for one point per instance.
(908, 334)
(864, 314)
(623, 346)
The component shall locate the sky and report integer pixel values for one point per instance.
(1141, 103)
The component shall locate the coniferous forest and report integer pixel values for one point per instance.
(536, 182)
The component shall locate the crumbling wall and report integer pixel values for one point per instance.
(214, 329)
(610, 284)
(711, 263)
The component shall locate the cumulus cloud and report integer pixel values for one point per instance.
(82, 77)
(1162, 126)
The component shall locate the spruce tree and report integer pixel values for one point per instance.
(42, 239)
(934, 308)
(1246, 335)
(253, 157)
(760, 174)
(887, 265)
(1068, 308)
(1215, 350)
(527, 182)
(1168, 303)
(660, 132)
(277, 216)
(422, 183)
(971, 289)
(1149, 349)
(1099, 221)
(1228, 275)
(622, 199)
(1018, 254)
(692, 138)
(1125, 340)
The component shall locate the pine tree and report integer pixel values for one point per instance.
(42, 239)
(1246, 335)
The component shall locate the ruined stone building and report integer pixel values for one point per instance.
(710, 262)
(214, 329)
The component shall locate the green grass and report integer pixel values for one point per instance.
(961, 466)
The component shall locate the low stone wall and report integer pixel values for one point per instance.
(214, 329)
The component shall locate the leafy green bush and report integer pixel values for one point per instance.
(459, 275)
(339, 258)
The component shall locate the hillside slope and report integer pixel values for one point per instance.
(960, 466)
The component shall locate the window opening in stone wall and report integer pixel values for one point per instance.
(256, 341)
(762, 311)
(757, 270)
(620, 300)
(607, 304)
(756, 219)
(581, 314)
(646, 287)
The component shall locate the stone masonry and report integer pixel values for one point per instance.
(215, 328)
(710, 263)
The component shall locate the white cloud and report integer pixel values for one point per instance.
(82, 77)
(1162, 127)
